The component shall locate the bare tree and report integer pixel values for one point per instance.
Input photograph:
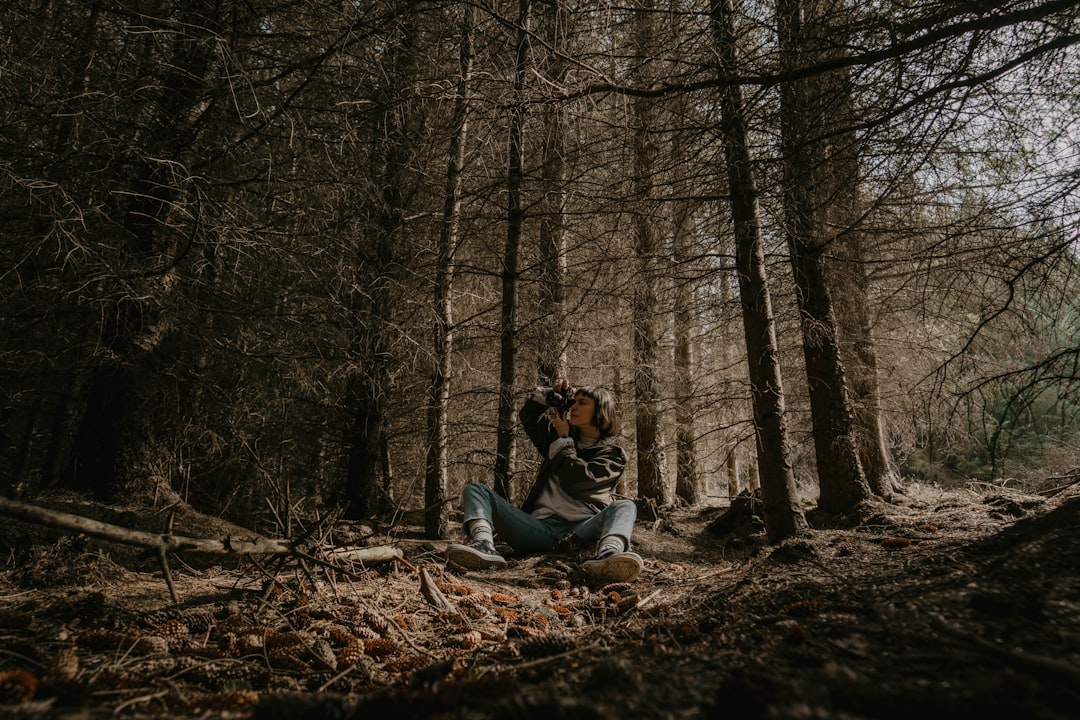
(849, 278)
(840, 206)
(689, 481)
(805, 155)
(783, 516)
(505, 451)
(651, 456)
(435, 488)
(551, 363)
(382, 249)
(142, 232)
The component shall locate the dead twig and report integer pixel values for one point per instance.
(645, 601)
(434, 595)
(137, 700)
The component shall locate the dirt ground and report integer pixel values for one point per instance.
(946, 604)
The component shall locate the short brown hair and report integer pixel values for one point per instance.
(604, 418)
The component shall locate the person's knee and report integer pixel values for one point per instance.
(625, 506)
(474, 490)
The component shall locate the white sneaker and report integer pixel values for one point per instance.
(477, 555)
(614, 566)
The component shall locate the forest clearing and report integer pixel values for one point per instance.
(948, 604)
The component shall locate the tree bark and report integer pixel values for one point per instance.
(846, 268)
(505, 450)
(436, 520)
(860, 358)
(248, 544)
(651, 456)
(552, 361)
(689, 483)
(381, 255)
(146, 216)
(783, 516)
(840, 474)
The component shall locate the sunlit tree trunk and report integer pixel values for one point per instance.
(436, 518)
(689, 483)
(860, 360)
(505, 450)
(731, 467)
(840, 474)
(783, 516)
(847, 276)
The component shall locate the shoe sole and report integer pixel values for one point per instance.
(471, 561)
(617, 569)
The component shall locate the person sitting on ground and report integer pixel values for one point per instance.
(572, 497)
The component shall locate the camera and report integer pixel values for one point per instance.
(561, 401)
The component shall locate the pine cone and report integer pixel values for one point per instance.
(151, 645)
(546, 645)
(102, 640)
(172, 628)
(504, 599)
(16, 686)
(616, 587)
(373, 621)
(350, 654)
(199, 621)
(380, 647)
(216, 674)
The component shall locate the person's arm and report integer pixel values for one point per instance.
(536, 421)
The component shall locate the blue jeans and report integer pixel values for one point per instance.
(526, 533)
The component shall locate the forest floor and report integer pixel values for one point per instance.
(945, 604)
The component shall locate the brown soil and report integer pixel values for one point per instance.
(946, 604)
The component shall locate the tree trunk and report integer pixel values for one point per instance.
(840, 473)
(365, 443)
(379, 261)
(732, 466)
(847, 275)
(436, 519)
(783, 516)
(860, 358)
(651, 478)
(505, 450)
(689, 485)
(552, 361)
(110, 404)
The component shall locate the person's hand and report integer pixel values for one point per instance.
(560, 423)
(559, 420)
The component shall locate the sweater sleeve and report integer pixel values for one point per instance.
(536, 422)
(582, 475)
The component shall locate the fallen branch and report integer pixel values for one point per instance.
(160, 542)
(167, 542)
(382, 553)
(434, 595)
